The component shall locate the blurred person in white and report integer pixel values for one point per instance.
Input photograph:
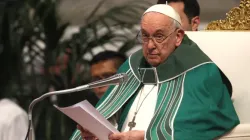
(13, 121)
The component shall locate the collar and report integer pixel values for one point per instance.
(186, 57)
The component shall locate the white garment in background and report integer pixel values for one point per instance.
(13, 121)
(146, 111)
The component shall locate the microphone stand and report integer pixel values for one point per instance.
(30, 131)
(113, 80)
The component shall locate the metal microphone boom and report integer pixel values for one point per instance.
(113, 80)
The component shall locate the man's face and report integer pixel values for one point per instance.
(186, 24)
(101, 70)
(158, 26)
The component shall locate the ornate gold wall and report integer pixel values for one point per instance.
(237, 18)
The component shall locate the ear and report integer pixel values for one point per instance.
(195, 22)
(179, 37)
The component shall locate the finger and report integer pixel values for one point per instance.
(79, 127)
(89, 138)
(82, 129)
(115, 136)
(87, 134)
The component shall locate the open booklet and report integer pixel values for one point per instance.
(88, 117)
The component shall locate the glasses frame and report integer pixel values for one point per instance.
(139, 38)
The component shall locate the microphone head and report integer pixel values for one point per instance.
(123, 77)
(113, 80)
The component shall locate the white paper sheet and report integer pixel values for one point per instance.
(89, 118)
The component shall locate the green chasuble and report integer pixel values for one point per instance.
(193, 98)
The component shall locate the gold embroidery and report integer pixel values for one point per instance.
(237, 18)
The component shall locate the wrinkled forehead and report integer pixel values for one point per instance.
(153, 21)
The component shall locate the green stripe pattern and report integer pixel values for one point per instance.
(169, 98)
(119, 96)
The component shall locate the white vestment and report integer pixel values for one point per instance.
(13, 121)
(146, 110)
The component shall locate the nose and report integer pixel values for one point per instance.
(151, 44)
(100, 91)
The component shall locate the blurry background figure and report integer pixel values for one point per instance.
(189, 11)
(104, 65)
(13, 121)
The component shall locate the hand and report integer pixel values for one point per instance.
(86, 135)
(130, 135)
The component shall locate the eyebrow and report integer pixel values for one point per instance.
(157, 31)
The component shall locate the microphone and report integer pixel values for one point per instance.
(113, 80)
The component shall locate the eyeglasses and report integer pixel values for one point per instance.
(157, 38)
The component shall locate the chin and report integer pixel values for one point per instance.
(99, 95)
(153, 62)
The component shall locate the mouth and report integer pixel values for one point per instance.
(152, 56)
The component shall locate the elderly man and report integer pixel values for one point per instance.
(174, 90)
(189, 11)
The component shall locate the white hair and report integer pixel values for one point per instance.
(176, 24)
